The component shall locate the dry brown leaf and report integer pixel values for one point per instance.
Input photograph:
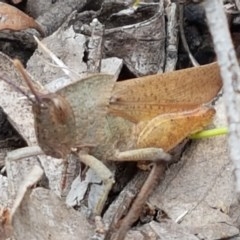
(13, 19)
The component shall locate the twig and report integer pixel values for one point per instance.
(183, 38)
(172, 37)
(230, 72)
(142, 197)
(95, 47)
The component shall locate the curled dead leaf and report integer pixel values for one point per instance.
(13, 19)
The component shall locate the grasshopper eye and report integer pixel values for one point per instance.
(61, 113)
(60, 109)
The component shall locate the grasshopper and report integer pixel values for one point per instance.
(134, 120)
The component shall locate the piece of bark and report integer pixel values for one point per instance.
(94, 46)
(141, 45)
(56, 13)
(120, 206)
(137, 35)
(172, 38)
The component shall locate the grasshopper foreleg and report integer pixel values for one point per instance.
(104, 173)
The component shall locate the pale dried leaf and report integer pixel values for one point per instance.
(166, 230)
(17, 170)
(79, 188)
(16, 20)
(61, 43)
(42, 215)
(19, 166)
(32, 178)
(55, 59)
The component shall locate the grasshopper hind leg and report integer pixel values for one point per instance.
(167, 131)
(164, 132)
(143, 154)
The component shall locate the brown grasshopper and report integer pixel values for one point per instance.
(135, 120)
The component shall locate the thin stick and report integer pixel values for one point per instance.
(183, 38)
(136, 209)
(230, 72)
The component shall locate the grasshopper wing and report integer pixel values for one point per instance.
(183, 90)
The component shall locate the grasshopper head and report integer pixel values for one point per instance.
(54, 124)
(53, 118)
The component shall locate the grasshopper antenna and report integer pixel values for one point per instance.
(26, 78)
(18, 89)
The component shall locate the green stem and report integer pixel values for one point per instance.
(209, 133)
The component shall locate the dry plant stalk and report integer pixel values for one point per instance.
(136, 209)
(230, 73)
